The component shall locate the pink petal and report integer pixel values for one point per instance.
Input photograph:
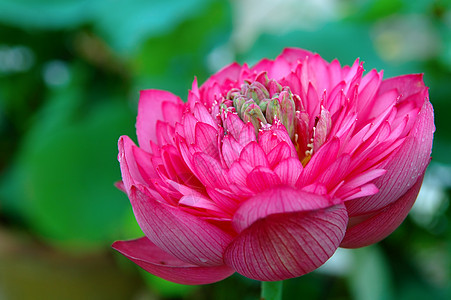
(367, 230)
(269, 139)
(206, 138)
(325, 156)
(200, 202)
(262, 178)
(281, 152)
(136, 167)
(276, 201)
(172, 112)
(247, 134)
(189, 126)
(183, 235)
(227, 201)
(202, 115)
(120, 186)
(150, 110)
(238, 172)
(335, 172)
(404, 166)
(234, 125)
(254, 155)
(406, 85)
(231, 150)
(157, 262)
(289, 171)
(287, 245)
(209, 171)
(280, 68)
(262, 66)
(295, 55)
(230, 72)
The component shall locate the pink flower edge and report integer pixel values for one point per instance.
(159, 263)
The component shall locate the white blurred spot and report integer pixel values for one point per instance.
(339, 264)
(432, 199)
(15, 59)
(56, 73)
(406, 38)
(220, 57)
(254, 17)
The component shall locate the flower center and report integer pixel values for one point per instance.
(265, 102)
(262, 104)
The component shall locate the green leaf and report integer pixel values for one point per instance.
(63, 180)
(370, 278)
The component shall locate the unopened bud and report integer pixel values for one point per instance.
(244, 106)
(233, 93)
(254, 115)
(287, 108)
(273, 110)
(263, 104)
(257, 91)
(274, 87)
(238, 102)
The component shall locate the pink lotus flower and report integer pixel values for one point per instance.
(267, 170)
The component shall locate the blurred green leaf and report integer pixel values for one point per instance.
(126, 24)
(171, 61)
(63, 180)
(123, 24)
(371, 277)
(44, 14)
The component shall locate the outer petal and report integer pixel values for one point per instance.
(183, 235)
(377, 226)
(295, 55)
(136, 167)
(150, 110)
(287, 245)
(276, 201)
(154, 260)
(404, 167)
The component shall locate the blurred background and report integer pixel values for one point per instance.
(70, 75)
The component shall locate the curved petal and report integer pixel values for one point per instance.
(276, 201)
(377, 226)
(157, 262)
(295, 55)
(181, 234)
(404, 167)
(150, 110)
(287, 245)
(136, 166)
(406, 85)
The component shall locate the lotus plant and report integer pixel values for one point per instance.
(267, 170)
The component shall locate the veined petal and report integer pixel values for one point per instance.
(209, 171)
(289, 171)
(404, 167)
(253, 154)
(287, 245)
(136, 167)
(295, 55)
(262, 178)
(276, 201)
(372, 228)
(231, 150)
(183, 235)
(150, 110)
(157, 262)
(207, 139)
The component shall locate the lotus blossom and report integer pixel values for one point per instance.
(267, 170)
